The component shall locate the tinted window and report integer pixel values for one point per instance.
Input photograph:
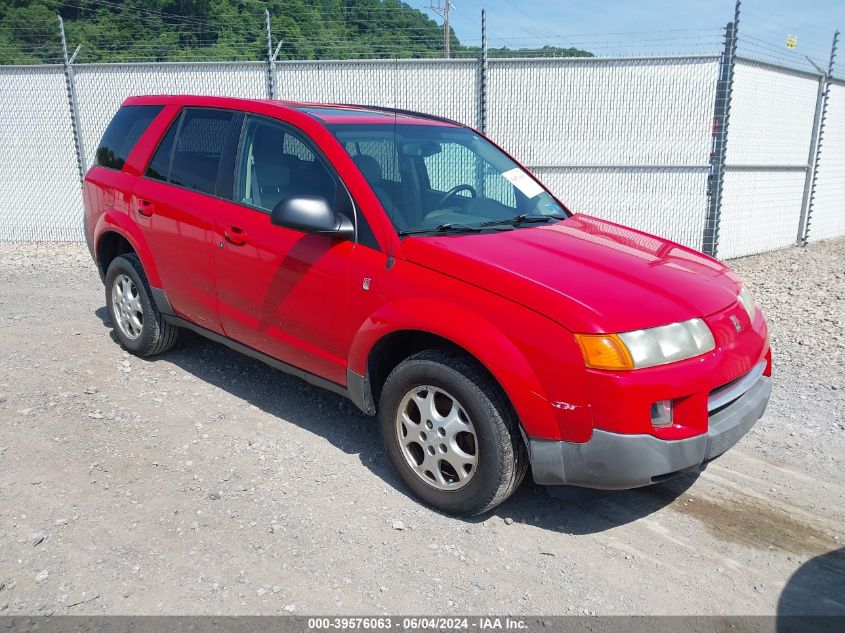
(275, 163)
(160, 164)
(123, 132)
(197, 151)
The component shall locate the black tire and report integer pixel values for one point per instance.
(501, 453)
(156, 335)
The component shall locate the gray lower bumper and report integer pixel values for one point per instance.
(617, 461)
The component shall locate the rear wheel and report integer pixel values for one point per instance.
(138, 324)
(450, 433)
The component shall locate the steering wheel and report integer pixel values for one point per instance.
(452, 193)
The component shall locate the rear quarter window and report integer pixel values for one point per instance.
(123, 132)
(189, 155)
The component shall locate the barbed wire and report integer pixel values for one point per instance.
(240, 35)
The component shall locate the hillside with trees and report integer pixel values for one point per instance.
(216, 30)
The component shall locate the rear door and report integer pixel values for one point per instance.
(174, 204)
(282, 291)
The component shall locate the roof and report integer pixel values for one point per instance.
(326, 113)
(336, 113)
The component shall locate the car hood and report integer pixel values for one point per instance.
(587, 274)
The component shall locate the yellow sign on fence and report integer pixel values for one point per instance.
(791, 41)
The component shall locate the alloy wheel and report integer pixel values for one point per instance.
(126, 305)
(437, 437)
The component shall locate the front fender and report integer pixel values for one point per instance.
(473, 333)
(117, 222)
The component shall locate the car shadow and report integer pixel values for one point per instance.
(813, 598)
(563, 509)
(102, 313)
(581, 511)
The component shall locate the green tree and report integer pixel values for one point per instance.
(214, 30)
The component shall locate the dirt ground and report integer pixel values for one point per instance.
(205, 482)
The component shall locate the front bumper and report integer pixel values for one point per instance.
(617, 461)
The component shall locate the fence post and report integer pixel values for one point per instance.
(70, 83)
(721, 115)
(271, 65)
(482, 84)
(815, 148)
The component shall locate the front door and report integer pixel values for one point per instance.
(282, 292)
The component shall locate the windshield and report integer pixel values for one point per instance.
(436, 178)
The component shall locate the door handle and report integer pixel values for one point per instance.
(146, 208)
(235, 236)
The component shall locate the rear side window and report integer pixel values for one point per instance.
(123, 132)
(189, 154)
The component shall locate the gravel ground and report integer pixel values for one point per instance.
(205, 482)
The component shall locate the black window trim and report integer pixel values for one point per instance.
(178, 124)
(134, 105)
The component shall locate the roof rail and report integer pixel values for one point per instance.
(421, 115)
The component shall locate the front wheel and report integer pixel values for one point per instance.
(450, 433)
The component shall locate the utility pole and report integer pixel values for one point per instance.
(441, 8)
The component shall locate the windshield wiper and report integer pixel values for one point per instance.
(447, 228)
(524, 218)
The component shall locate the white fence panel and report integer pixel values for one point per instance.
(40, 197)
(666, 204)
(598, 112)
(443, 87)
(771, 115)
(101, 88)
(768, 148)
(626, 140)
(828, 219)
(760, 211)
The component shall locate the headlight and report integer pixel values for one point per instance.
(646, 348)
(747, 302)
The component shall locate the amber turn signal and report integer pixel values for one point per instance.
(604, 351)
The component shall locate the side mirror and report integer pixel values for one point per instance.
(311, 214)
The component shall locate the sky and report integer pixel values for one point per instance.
(620, 27)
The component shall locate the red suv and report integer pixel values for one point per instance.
(409, 264)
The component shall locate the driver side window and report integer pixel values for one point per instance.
(275, 163)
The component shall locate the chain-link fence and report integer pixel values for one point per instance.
(766, 162)
(443, 87)
(624, 139)
(628, 139)
(40, 197)
(828, 219)
(101, 88)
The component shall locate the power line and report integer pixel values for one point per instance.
(442, 8)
